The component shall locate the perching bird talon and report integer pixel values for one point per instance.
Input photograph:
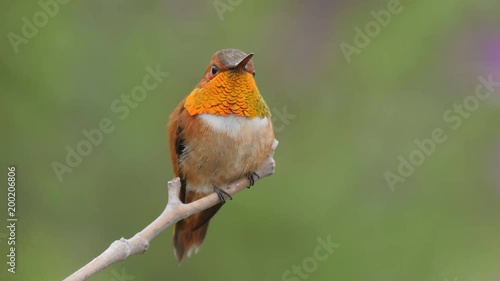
(221, 194)
(252, 176)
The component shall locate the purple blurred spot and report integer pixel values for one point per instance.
(493, 54)
(496, 168)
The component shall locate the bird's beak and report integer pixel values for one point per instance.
(243, 62)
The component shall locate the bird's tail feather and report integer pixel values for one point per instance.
(190, 232)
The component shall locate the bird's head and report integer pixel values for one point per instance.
(227, 62)
(228, 87)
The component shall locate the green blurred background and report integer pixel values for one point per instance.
(347, 124)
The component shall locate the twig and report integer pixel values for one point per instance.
(174, 212)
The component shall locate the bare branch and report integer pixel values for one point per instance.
(174, 212)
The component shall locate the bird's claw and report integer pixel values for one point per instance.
(252, 177)
(221, 194)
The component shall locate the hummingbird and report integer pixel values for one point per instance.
(219, 133)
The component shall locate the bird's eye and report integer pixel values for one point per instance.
(253, 73)
(215, 69)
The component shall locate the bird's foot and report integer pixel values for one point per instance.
(252, 176)
(221, 194)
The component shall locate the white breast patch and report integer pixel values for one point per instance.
(233, 124)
